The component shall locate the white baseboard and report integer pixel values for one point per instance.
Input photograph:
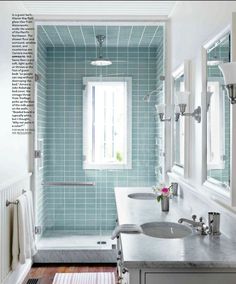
(18, 275)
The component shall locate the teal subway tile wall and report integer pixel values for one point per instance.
(89, 210)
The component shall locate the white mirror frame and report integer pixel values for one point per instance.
(217, 187)
(184, 69)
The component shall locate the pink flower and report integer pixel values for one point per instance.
(165, 191)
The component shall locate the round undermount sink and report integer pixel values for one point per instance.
(166, 230)
(142, 196)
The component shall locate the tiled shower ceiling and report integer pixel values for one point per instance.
(116, 36)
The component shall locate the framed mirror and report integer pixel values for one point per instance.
(180, 128)
(218, 113)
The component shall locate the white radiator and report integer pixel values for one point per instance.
(8, 191)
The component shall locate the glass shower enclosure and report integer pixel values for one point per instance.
(75, 206)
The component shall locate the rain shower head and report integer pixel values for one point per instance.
(100, 61)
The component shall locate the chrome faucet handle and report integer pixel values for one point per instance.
(194, 217)
(203, 229)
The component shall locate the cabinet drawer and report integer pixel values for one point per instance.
(187, 278)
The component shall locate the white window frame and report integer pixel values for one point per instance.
(128, 165)
(220, 164)
(208, 182)
(184, 69)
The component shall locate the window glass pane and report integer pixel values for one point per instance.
(179, 127)
(218, 114)
(106, 122)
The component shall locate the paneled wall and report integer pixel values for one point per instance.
(8, 191)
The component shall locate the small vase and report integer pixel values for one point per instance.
(165, 203)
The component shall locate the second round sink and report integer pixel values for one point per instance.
(166, 230)
(142, 196)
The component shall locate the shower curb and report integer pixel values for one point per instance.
(75, 256)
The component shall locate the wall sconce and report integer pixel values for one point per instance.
(229, 73)
(161, 111)
(182, 101)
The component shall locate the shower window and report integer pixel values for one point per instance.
(107, 123)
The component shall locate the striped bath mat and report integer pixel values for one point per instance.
(85, 278)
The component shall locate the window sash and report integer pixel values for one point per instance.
(110, 120)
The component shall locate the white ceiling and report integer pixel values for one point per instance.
(99, 8)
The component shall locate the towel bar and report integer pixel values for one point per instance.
(68, 183)
(11, 202)
(8, 203)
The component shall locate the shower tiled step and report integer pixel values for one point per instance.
(75, 256)
(72, 240)
(71, 247)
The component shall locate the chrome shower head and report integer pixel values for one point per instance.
(147, 97)
(100, 61)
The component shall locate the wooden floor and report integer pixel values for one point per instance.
(46, 273)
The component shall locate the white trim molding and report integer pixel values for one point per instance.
(128, 139)
(210, 184)
(233, 119)
(19, 274)
(183, 69)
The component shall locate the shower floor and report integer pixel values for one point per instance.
(52, 240)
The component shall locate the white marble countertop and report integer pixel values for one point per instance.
(193, 251)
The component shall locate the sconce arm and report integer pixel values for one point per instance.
(196, 114)
(231, 90)
(161, 116)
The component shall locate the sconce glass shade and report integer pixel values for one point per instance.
(160, 108)
(229, 72)
(182, 98)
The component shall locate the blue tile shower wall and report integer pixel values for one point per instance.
(90, 209)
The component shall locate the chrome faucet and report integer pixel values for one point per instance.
(200, 225)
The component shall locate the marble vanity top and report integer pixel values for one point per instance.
(193, 251)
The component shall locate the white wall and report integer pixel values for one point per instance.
(193, 23)
(14, 149)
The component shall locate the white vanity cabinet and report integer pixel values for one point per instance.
(139, 276)
(194, 259)
(188, 277)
